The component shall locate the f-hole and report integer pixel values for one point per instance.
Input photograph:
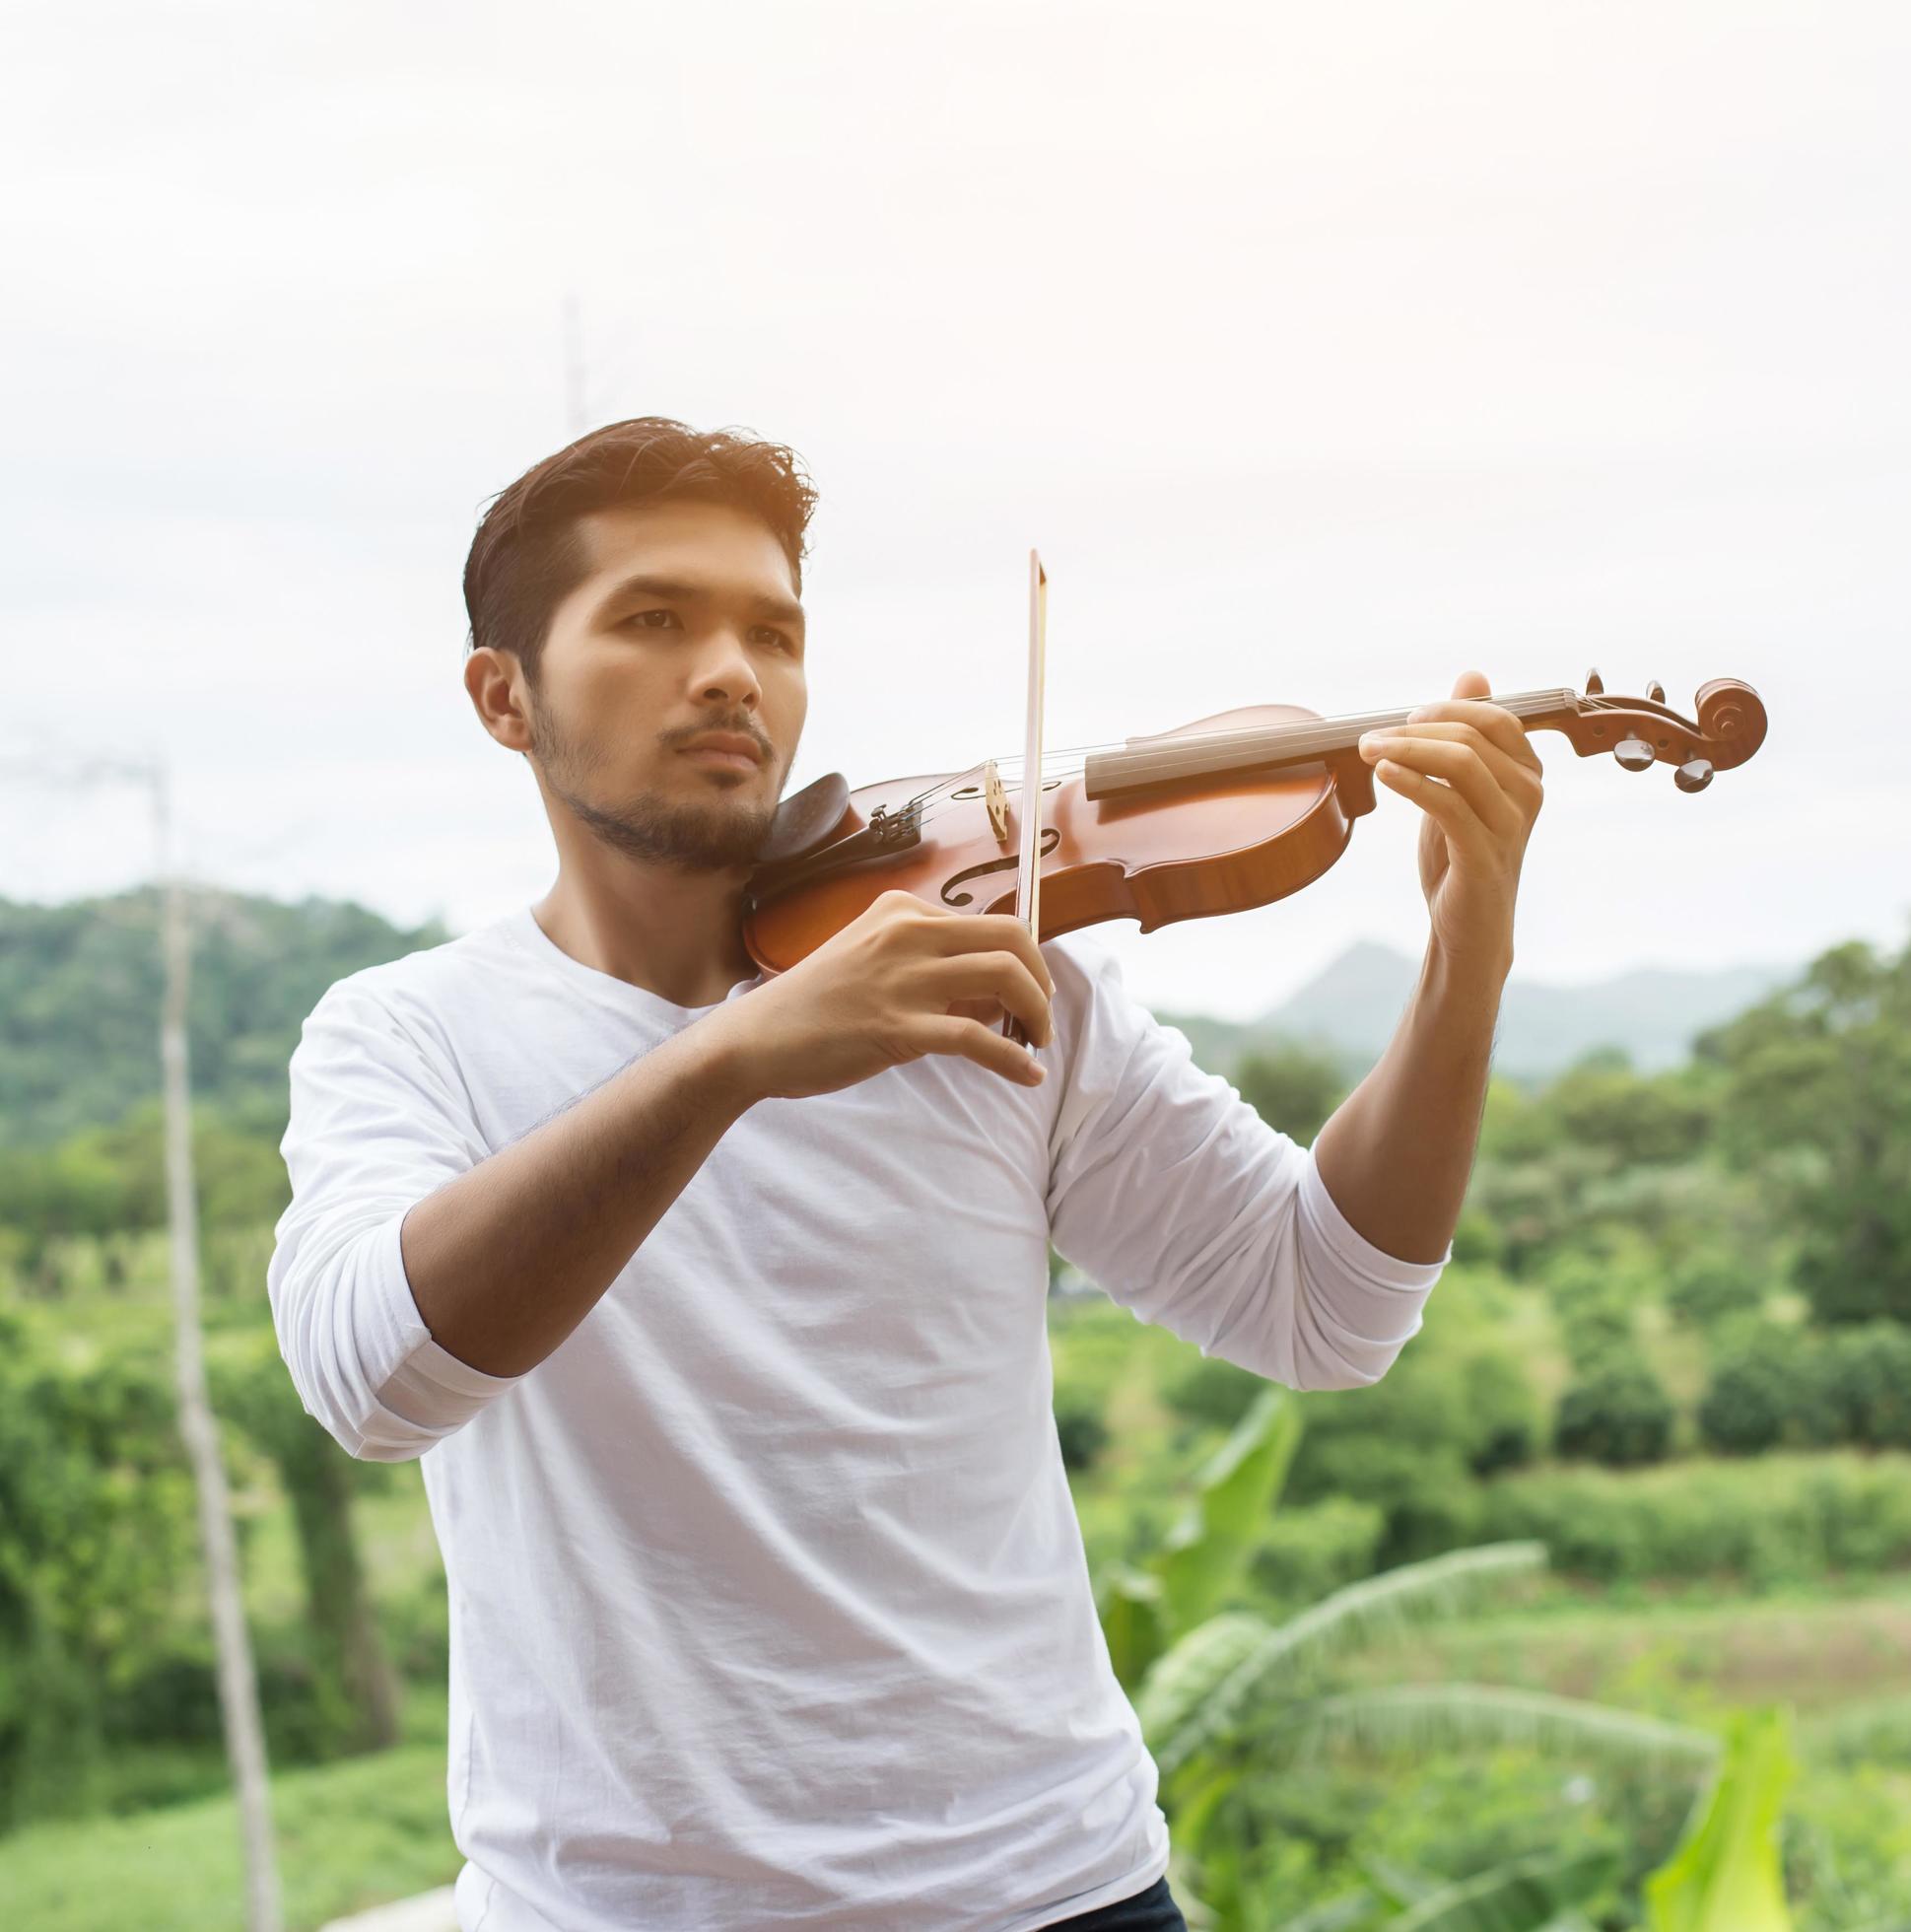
(1050, 837)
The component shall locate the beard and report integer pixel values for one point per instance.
(721, 836)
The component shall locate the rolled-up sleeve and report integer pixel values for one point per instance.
(376, 1125)
(1172, 1193)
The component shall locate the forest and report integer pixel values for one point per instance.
(1611, 1571)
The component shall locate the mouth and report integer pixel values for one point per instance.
(720, 761)
(725, 751)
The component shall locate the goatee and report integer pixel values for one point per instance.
(720, 836)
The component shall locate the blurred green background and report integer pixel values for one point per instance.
(1459, 1649)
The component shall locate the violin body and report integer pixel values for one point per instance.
(1219, 815)
(1222, 845)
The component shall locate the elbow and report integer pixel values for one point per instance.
(362, 1425)
(350, 1364)
(380, 1445)
(1332, 1369)
(1331, 1355)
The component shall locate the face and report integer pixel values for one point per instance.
(671, 691)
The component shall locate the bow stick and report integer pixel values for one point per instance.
(1028, 878)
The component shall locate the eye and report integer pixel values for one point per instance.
(652, 620)
(769, 634)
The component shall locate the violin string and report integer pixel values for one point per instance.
(1173, 750)
(1306, 734)
(1170, 756)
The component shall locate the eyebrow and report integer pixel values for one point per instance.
(670, 590)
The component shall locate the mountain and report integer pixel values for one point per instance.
(1353, 1004)
(80, 988)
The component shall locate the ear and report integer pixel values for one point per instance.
(493, 680)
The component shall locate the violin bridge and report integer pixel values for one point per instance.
(998, 803)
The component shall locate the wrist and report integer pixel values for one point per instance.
(1448, 972)
(731, 1067)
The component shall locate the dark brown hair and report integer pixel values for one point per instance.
(527, 557)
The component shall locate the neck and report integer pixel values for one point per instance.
(677, 934)
(1270, 747)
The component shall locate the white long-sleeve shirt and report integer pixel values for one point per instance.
(768, 1601)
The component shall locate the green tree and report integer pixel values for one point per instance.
(358, 1689)
(1817, 1093)
(1751, 1398)
(1616, 1412)
(1291, 1086)
(96, 1537)
(1858, 1386)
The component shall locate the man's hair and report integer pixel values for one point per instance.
(528, 556)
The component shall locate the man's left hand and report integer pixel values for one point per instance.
(1469, 767)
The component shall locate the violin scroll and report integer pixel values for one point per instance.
(1643, 732)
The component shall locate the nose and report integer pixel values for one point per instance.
(723, 674)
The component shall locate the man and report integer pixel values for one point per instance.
(714, 1305)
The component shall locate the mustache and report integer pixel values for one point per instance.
(741, 726)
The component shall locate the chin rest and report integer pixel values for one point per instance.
(805, 820)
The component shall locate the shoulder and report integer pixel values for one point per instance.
(420, 993)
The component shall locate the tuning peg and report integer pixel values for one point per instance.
(1656, 692)
(1695, 775)
(1595, 683)
(1635, 754)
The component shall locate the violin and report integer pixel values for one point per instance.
(1219, 815)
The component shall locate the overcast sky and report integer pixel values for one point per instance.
(1325, 351)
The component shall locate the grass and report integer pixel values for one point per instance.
(1691, 1657)
(350, 1836)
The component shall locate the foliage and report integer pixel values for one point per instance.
(1784, 1518)
(1711, 1287)
(1616, 1412)
(1771, 1385)
(1456, 1403)
(1307, 1551)
(96, 1538)
(80, 987)
(1861, 1386)
(1822, 1070)
(1225, 1696)
(1293, 1087)
(1213, 1391)
(1752, 1398)
(1206, 1552)
(1237, 1698)
(1080, 1431)
(1726, 1876)
(108, 1180)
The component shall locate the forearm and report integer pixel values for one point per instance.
(1397, 1152)
(508, 1258)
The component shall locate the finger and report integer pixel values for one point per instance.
(1522, 781)
(1492, 721)
(995, 933)
(969, 1038)
(1441, 803)
(1003, 977)
(1466, 771)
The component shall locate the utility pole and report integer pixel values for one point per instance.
(238, 1698)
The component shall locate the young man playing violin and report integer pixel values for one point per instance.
(715, 1304)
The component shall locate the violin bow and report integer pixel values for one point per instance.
(1028, 877)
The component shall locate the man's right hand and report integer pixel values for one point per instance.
(903, 979)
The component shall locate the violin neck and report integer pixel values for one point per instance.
(1147, 763)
